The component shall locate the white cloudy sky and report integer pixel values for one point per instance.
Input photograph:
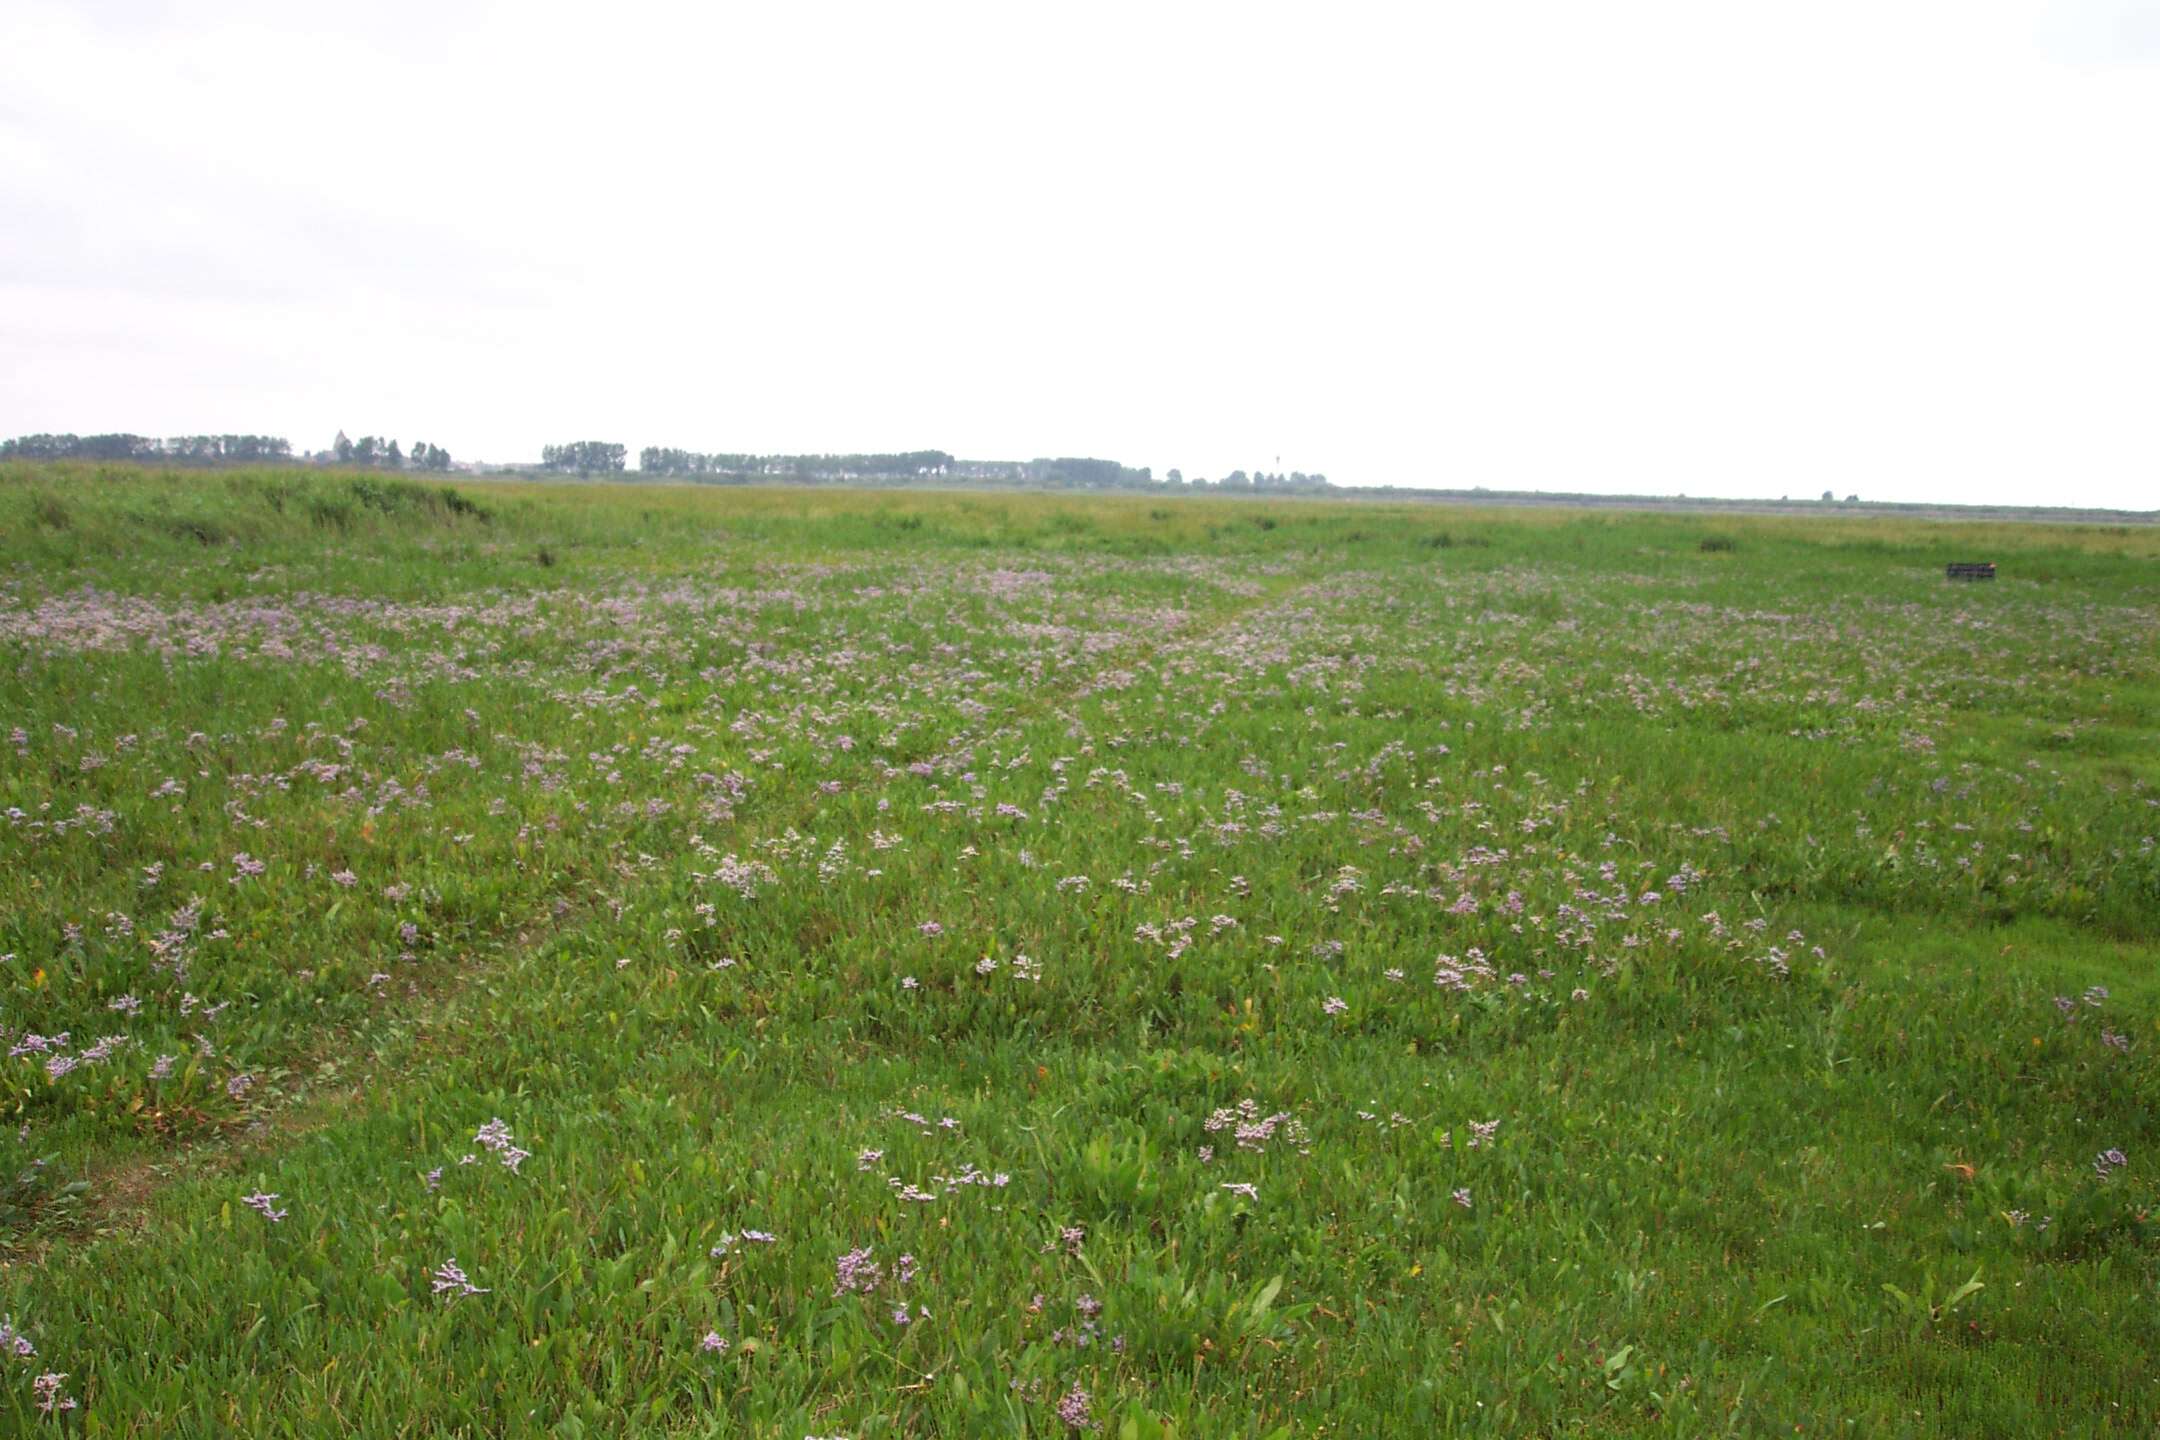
(1906, 249)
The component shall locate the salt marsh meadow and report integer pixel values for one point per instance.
(596, 960)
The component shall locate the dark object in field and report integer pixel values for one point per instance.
(1970, 570)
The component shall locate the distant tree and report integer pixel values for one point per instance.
(366, 450)
(1062, 472)
(342, 447)
(393, 458)
(177, 450)
(1176, 476)
(585, 457)
(1084, 473)
(116, 447)
(1828, 496)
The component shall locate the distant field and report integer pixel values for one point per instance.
(601, 960)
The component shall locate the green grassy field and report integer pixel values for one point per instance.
(586, 960)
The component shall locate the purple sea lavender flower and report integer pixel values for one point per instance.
(1075, 1409)
(495, 1136)
(855, 1272)
(48, 1392)
(451, 1282)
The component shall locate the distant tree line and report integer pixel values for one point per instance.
(1109, 475)
(584, 457)
(603, 457)
(222, 450)
(372, 451)
(1297, 482)
(905, 464)
(1082, 474)
(1062, 473)
(1067, 473)
(177, 450)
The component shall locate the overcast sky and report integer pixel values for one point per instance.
(1908, 250)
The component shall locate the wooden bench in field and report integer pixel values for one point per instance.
(1971, 570)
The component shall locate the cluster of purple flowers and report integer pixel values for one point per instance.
(48, 1393)
(264, 1205)
(855, 1273)
(495, 1136)
(1252, 1130)
(1076, 1410)
(451, 1282)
